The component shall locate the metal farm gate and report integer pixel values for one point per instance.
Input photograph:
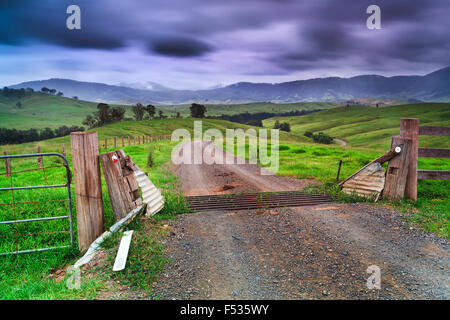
(29, 213)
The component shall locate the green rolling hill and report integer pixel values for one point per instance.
(39, 110)
(370, 127)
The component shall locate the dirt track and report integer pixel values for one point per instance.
(297, 253)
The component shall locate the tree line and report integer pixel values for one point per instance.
(14, 136)
(106, 114)
(256, 118)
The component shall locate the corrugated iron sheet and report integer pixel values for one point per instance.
(367, 183)
(150, 194)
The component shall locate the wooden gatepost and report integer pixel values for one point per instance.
(400, 179)
(403, 173)
(88, 188)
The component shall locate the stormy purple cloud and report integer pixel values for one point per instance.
(201, 43)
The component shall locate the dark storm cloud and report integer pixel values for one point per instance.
(322, 33)
(180, 47)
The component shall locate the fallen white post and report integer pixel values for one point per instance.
(122, 253)
(95, 246)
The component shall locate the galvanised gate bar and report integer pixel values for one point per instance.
(8, 174)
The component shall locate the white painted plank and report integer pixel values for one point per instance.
(122, 253)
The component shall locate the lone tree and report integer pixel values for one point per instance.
(161, 115)
(19, 105)
(138, 111)
(45, 90)
(117, 114)
(150, 110)
(197, 110)
(282, 126)
(102, 114)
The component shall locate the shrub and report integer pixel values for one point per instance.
(256, 123)
(322, 138)
(150, 159)
(299, 151)
(284, 147)
(308, 134)
(282, 126)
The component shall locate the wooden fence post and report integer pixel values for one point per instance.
(39, 159)
(139, 139)
(106, 143)
(397, 170)
(63, 149)
(115, 142)
(88, 188)
(123, 141)
(134, 140)
(129, 140)
(409, 129)
(7, 165)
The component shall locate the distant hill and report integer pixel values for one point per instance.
(433, 87)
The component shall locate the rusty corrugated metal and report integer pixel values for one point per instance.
(150, 194)
(367, 183)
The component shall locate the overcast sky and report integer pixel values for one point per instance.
(192, 44)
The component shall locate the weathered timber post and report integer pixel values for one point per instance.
(139, 139)
(123, 142)
(63, 149)
(115, 142)
(143, 139)
(39, 159)
(397, 171)
(121, 182)
(129, 140)
(409, 129)
(134, 140)
(88, 188)
(106, 143)
(7, 165)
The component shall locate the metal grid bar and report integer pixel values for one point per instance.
(255, 200)
(14, 203)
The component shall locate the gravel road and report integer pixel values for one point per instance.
(316, 252)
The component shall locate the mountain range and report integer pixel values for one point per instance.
(431, 87)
